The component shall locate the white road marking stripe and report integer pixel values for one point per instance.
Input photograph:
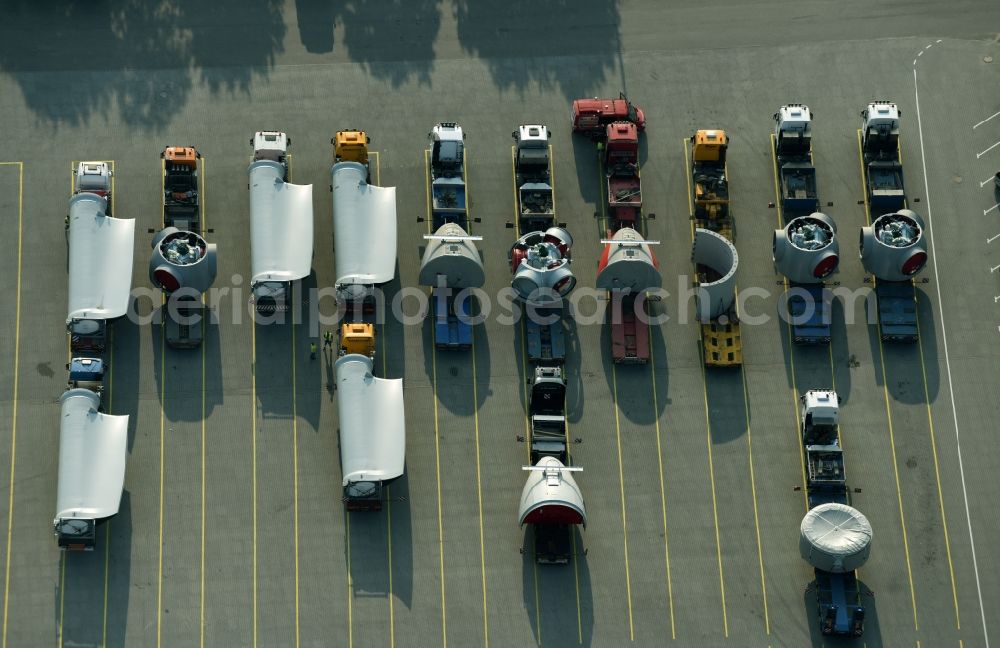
(947, 363)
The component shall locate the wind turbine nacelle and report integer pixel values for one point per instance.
(893, 247)
(182, 260)
(807, 250)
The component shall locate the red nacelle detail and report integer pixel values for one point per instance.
(516, 256)
(914, 264)
(826, 266)
(554, 514)
(167, 281)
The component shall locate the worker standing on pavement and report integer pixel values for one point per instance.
(327, 340)
(996, 179)
(312, 350)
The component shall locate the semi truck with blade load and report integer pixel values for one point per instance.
(542, 278)
(835, 538)
(92, 454)
(100, 259)
(894, 250)
(627, 268)
(181, 188)
(372, 431)
(533, 178)
(551, 501)
(183, 265)
(281, 224)
(451, 266)
(806, 252)
(364, 225)
(449, 203)
(713, 252)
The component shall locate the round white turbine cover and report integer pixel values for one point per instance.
(835, 538)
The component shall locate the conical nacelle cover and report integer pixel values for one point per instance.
(182, 260)
(807, 251)
(893, 248)
(835, 538)
(551, 496)
(714, 251)
(456, 260)
(627, 263)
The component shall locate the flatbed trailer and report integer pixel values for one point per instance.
(452, 322)
(897, 311)
(629, 335)
(809, 313)
(545, 342)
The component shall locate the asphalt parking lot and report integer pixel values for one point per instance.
(231, 530)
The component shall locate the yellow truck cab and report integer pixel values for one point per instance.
(351, 146)
(357, 337)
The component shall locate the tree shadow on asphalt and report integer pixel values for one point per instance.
(75, 62)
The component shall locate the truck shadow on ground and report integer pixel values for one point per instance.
(549, 593)
(872, 637)
(911, 379)
(454, 369)
(368, 540)
(81, 593)
(123, 383)
(184, 43)
(819, 366)
(180, 384)
(632, 385)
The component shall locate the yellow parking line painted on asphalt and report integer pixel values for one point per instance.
(524, 389)
(715, 509)
(204, 342)
(569, 453)
(791, 344)
(163, 383)
(350, 580)
(295, 472)
(663, 491)
(163, 407)
(295, 480)
(388, 513)
(475, 419)
(937, 476)
(621, 484)
(888, 412)
(753, 492)
(253, 433)
(791, 358)
(437, 433)
(708, 425)
(62, 557)
(107, 526)
(618, 435)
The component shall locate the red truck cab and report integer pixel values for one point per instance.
(592, 115)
